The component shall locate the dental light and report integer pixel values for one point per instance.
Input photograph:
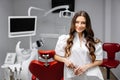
(66, 13)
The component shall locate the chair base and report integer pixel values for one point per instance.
(108, 73)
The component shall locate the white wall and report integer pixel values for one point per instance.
(115, 20)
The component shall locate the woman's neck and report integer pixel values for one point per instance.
(80, 38)
(80, 35)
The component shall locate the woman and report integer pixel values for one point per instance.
(79, 51)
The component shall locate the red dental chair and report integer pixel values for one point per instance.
(46, 70)
(110, 62)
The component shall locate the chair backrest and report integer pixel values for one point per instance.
(111, 49)
(52, 71)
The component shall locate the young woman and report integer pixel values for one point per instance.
(80, 51)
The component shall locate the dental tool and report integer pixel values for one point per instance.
(11, 74)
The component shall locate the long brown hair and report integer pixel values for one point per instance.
(88, 34)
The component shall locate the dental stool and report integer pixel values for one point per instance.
(46, 70)
(110, 62)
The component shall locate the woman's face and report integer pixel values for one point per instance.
(80, 24)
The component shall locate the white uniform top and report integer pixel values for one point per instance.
(79, 56)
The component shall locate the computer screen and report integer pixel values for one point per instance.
(20, 26)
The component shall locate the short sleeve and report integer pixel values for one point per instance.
(99, 51)
(60, 46)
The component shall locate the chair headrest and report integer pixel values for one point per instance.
(46, 53)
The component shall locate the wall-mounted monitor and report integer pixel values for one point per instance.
(20, 26)
(55, 3)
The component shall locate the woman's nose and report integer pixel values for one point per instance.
(79, 24)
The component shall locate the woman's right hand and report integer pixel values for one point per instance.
(69, 64)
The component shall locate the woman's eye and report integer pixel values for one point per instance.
(80, 22)
(77, 22)
(83, 22)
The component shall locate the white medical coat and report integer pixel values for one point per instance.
(79, 56)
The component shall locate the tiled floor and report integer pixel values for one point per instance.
(112, 77)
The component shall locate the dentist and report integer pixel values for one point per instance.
(80, 51)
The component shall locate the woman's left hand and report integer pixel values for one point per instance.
(80, 69)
